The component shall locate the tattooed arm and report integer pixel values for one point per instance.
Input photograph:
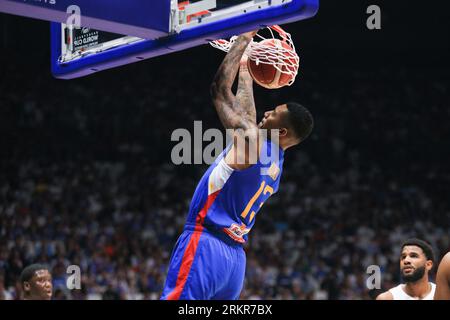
(244, 97)
(235, 112)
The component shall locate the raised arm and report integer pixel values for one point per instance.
(235, 112)
(245, 101)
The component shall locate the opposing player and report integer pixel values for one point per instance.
(443, 279)
(208, 261)
(36, 282)
(416, 261)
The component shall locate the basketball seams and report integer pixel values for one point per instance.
(269, 73)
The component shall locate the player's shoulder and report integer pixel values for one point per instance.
(446, 258)
(444, 266)
(387, 295)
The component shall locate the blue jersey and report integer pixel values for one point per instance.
(228, 200)
(208, 261)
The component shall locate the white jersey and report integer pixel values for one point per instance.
(399, 293)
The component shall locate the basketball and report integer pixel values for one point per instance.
(267, 75)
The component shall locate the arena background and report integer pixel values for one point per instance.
(86, 176)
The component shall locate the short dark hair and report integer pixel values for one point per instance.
(300, 119)
(30, 271)
(425, 246)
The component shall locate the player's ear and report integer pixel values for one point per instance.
(282, 132)
(26, 286)
(429, 265)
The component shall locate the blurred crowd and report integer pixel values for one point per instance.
(86, 179)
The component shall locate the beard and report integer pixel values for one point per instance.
(415, 276)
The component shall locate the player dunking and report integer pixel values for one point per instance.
(208, 261)
(443, 279)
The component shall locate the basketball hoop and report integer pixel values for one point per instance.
(282, 57)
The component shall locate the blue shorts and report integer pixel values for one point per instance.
(205, 267)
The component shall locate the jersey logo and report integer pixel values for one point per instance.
(237, 232)
(273, 171)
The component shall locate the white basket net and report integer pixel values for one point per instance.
(281, 56)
